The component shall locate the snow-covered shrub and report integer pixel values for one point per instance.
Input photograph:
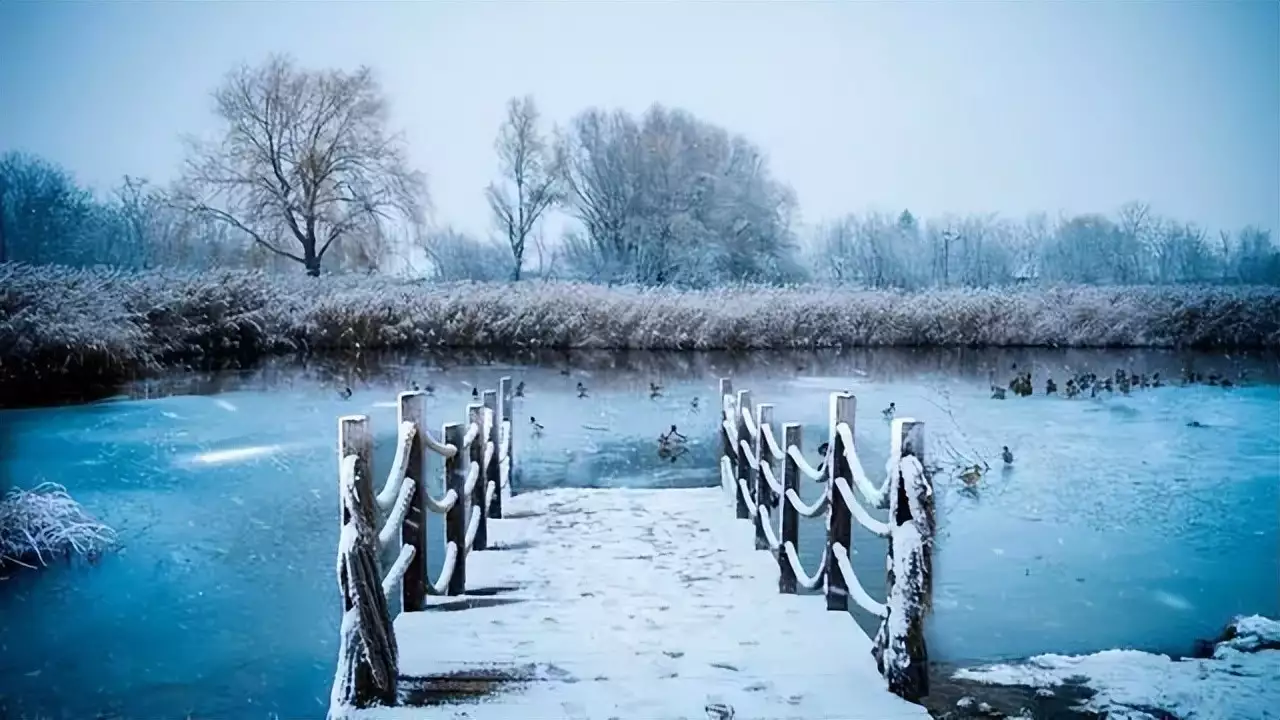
(104, 326)
(44, 523)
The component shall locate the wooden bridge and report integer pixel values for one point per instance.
(638, 604)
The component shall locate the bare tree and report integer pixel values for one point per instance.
(305, 161)
(527, 170)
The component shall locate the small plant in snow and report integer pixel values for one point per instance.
(43, 523)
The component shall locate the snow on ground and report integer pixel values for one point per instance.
(641, 604)
(1240, 682)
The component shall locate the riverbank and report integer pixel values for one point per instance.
(61, 327)
(1231, 678)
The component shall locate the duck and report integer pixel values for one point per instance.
(1006, 454)
(519, 389)
(414, 386)
(1050, 387)
(824, 450)
(694, 404)
(971, 475)
(345, 393)
(430, 389)
(654, 389)
(671, 436)
(997, 393)
(582, 389)
(537, 426)
(889, 411)
(1072, 389)
(1155, 380)
(475, 393)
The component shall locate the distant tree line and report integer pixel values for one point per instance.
(305, 175)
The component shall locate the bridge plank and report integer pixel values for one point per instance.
(632, 604)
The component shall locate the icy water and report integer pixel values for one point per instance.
(1117, 525)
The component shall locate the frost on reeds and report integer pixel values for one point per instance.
(44, 523)
(104, 325)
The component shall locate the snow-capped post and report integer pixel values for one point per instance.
(504, 421)
(791, 437)
(367, 672)
(493, 469)
(839, 517)
(475, 416)
(899, 647)
(743, 466)
(413, 531)
(455, 521)
(764, 495)
(726, 441)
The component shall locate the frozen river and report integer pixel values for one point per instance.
(1119, 524)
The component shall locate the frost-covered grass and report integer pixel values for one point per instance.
(100, 325)
(44, 523)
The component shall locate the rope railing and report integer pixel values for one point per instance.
(477, 468)
(749, 453)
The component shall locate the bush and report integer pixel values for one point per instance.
(98, 326)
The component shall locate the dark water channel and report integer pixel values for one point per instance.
(1118, 525)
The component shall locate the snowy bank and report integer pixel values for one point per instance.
(1239, 681)
(43, 523)
(103, 326)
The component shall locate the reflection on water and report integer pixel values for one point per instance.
(1117, 525)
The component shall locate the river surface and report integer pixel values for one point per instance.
(1118, 525)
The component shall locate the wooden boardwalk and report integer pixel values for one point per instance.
(632, 604)
(636, 604)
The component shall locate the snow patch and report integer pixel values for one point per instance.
(1238, 683)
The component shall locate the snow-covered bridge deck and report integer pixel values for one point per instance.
(640, 604)
(633, 604)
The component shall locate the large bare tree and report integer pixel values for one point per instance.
(528, 187)
(304, 161)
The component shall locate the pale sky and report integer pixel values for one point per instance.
(964, 106)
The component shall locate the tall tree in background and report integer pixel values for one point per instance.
(529, 179)
(304, 161)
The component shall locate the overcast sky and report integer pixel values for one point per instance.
(959, 106)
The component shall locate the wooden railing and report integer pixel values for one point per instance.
(478, 461)
(750, 451)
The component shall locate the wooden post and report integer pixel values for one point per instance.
(763, 493)
(475, 414)
(363, 661)
(743, 467)
(839, 518)
(455, 521)
(790, 533)
(413, 531)
(726, 443)
(492, 471)
(503, 418)
(908, 677)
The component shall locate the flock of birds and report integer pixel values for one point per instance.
(671, 444)
(1125, 382)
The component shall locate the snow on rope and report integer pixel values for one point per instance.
(391, 529)
(856, 592)
(805, 581)
(775, 449)
(862, 516)
(749, 454)
(875, 496)
(395, 575)
(814, 473)
(774, 484)
(766, 521)
(473, 432)
(748, 422)
(391, 489)
(746, 495)
(808, 511)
